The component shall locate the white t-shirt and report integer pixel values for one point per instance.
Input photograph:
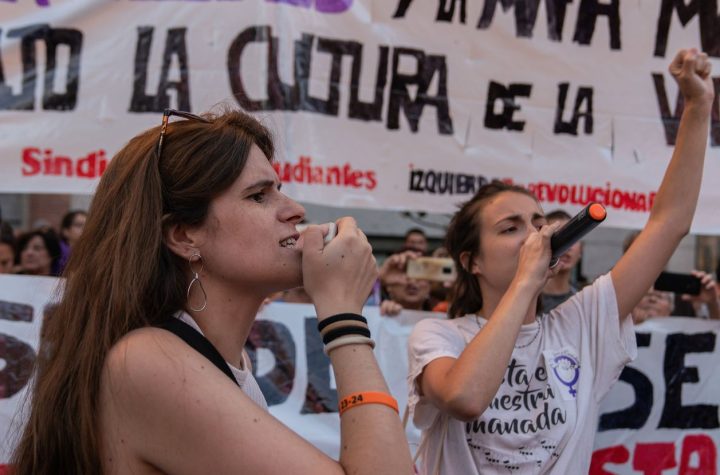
(243, 376)
(544, 415)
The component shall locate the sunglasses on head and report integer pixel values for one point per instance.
(166, 118)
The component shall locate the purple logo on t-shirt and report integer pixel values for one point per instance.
(567, 371)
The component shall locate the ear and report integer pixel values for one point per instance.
(183, 240)
(473, 267)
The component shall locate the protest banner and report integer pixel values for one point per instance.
(385, 104)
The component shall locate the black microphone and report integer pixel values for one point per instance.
(574, 230)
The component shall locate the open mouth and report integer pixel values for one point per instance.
(290, 242)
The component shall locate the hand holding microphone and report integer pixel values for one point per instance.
(332, 230)
(575, 229)
(338, 275)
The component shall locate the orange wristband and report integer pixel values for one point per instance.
(367, 397)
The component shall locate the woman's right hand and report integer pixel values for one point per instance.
(338, 276)
(534, 260)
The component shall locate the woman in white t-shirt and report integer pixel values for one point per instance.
(499, 388)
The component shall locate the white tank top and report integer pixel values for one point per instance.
(243, 376)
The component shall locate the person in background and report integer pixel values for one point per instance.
(440, 291)
(71, 228)
(38, 253)
(658, 303)
(703, 305)
(559, 286)
(8, 245)
(7, 231)
(654, 303)
(404, 293)
(400, 291)
(416, 240)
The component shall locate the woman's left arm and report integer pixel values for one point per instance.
(677, 196)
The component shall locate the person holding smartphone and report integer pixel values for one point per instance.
(679, 295)
(401, 290)
(694, 294)
(500, 387)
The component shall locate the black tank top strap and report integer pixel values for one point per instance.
(197, 341)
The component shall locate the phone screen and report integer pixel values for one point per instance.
(678, 283)
(439, 269)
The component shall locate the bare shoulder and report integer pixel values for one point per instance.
(151, 359)
(164, 405)
(152, 371)
(151, 382)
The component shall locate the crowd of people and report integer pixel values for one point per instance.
(401, 292)
(41, 251)
(44, 251)
(142, 368)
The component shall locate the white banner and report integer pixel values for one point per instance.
(395, 104)
(662, 417)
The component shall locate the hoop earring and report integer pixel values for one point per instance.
(196, 279)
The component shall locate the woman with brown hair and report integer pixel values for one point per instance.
(500, 388)
(189, 232)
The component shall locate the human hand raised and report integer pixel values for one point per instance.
(708, 295)
(390, 308)
(394, 266)
(691, 69)
(339, 275)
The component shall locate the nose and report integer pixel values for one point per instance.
(526, 233)
(293, 211)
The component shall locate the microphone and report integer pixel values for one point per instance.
(332, 230)
(574, 230)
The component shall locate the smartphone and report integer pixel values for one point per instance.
(678, 283)
(439, 269)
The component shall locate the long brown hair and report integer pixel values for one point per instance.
(121, 276)
(463, 235)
